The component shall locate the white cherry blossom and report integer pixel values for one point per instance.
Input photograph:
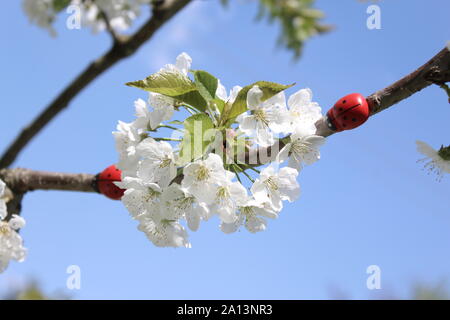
(163, 106)
(158, 164)
(120, 13)
(221, 93)
(162, 228)
(265, 118)
(228, 197)
(273, 186)
(252, 215)
(184, 205)
(40, 12)
(303, 112)
(140, 197)
(182, 64)
(11, 243)
(202, 176)
(163, 200)
(302, 149)
(163, 110)
(127, 138)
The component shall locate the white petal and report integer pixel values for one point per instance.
(254, 97)
(238, 193)
(205, 192)
(284, 153)
(259, 191)
(234, 93)
(230, 227)
(316, 141)
(227, 214)
(425, 149)
(214, 162)
(193, 219)
(3, 210)
(279, 100)
(16, 222)
(255, 224)
(2, 188)
(300, 98)
(247, 124)
(295, 163)
(288, 185)
(183, 63)
(264, 137)
(221, 92)
(141, 108)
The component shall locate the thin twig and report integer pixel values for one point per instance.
(435, 71)
(109, 28)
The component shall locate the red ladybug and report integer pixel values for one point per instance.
(348, 113)
(105, 183)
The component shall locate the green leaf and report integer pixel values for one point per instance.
(269, 89)
(169, 83)
(206, 84)
(197, 136)
(59, 5)
(219, 103)
(194, 99)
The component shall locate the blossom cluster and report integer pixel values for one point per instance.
(163, 191)
(120, 14)
(11, 244)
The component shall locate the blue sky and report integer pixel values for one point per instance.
(366, 202)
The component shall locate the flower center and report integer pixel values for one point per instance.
(248, 211)
(295, 114)
(184, 203)
(222, 193)
(151, 194)
(165, 162)
(261, 116)
(5, 230)
(202, 173)
(300, 147)
(271, 183)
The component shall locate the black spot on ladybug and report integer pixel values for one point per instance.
(117, 169)
(344, 101)
(354, 119)
(340, 109)
(109, 175)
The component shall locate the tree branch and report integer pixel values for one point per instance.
(120, 50)
(21, 180)
(435, 71)
(115, 37)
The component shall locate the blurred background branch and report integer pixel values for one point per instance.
(299, 21)
(120, 50)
